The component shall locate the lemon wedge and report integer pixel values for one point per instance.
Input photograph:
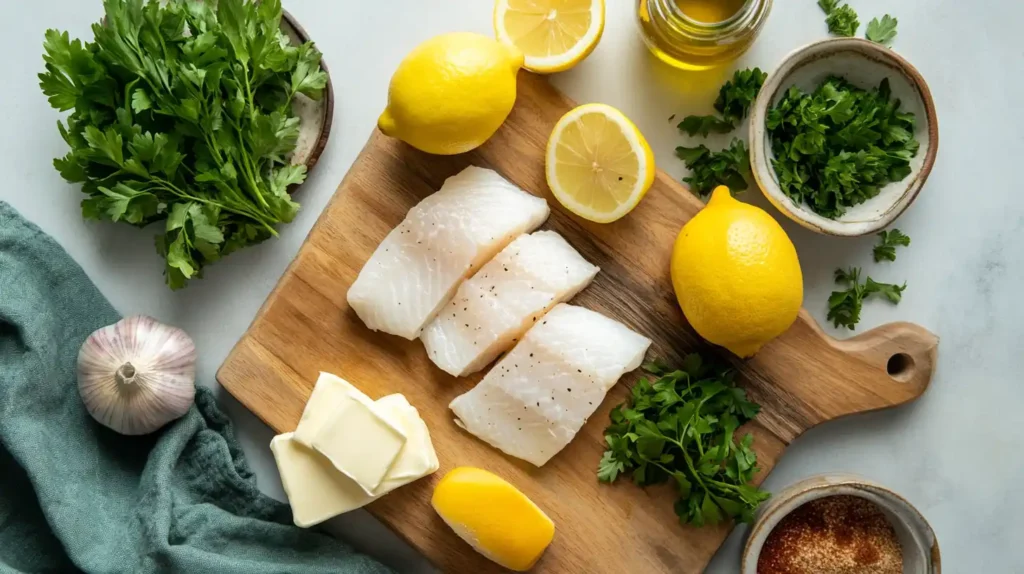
(555, 35)
(494, 517)
(598, 164)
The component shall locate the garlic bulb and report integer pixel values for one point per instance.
(137, 375)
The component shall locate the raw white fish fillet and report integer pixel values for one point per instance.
(493, 309)
(442, 240)
(535, 400)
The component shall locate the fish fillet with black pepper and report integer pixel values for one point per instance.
(535, 399)
(493, 309)
(443, 240)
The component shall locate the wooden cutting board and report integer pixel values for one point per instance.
(801, 379)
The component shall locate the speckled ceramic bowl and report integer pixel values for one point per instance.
(920, 548)
(317, 115)
(863, 63)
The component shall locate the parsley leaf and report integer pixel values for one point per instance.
(681, 429)
(182, 113)
(728, 167)
(839, 145)
(841, 20)
(121, 203)
(844, 306)
(894, 293)
(308, 78)
(886, 250)
(736, 96)
(609, 468)
(827, 6)
(704, 125)
(882, 31)
(734, 100)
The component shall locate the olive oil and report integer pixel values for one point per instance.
(710, 11)
(700, 34)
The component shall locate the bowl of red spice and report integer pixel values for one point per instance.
(840, 524)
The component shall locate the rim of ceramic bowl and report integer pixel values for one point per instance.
(926, 545)
(328, 101)
(759, 155)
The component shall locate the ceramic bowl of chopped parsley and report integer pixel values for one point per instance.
(843, 136)
(195, 120)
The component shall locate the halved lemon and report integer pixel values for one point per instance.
(598, 164)
(555, 35)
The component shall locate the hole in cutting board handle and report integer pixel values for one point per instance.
(900, 367)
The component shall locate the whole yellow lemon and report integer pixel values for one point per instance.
(451, 93)
(736, 275)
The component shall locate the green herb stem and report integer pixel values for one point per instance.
(150, 97)
(681, 427)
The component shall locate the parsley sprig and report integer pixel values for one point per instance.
(734, 100)
(681, 428)
(838, 146)
(890, 240)
(882, 31)
(841, 19)
(844, 306)
(182, 114)
(708, 169)
(730, 166)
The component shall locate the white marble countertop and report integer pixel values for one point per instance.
(952, 453)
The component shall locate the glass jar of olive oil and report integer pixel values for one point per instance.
(700, 34)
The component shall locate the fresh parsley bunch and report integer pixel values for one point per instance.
(838, 146)
(182, 114)
(681, 428)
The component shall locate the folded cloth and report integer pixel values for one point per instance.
(76, 496)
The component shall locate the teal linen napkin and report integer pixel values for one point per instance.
(77, 496)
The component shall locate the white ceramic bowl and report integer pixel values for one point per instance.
(920, 548)
(317, 115)
(864, 64)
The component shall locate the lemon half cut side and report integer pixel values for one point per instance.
(598, 164)
(554, 35)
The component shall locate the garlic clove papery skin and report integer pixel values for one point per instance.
(137, 375)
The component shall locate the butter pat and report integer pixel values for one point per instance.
(361, 435)
(330, 395)
(360, 444)
(315, 489)
(418, 457)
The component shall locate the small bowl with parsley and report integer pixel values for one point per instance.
(843, 136)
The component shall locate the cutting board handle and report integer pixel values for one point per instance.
(813, 377)
(884, 367)
(905, 352)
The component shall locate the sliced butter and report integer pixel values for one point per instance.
(417, 458)
(360, 443)
(330, 394)
(315, 489)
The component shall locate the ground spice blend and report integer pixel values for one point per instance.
(833, 535)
